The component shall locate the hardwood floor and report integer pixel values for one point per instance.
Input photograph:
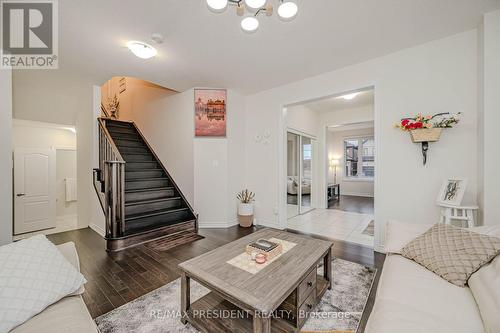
(351, 203)
(117, 278)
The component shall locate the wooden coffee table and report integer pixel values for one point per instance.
(275, 299)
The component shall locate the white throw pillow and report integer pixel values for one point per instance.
(33, 275)
(398, 234)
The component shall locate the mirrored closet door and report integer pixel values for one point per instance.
(300, 166)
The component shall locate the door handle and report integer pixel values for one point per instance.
(20, 194)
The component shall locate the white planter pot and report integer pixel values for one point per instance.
(245, 209)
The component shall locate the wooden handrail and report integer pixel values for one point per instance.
(112, 175)
(103, 109)
(109, 139)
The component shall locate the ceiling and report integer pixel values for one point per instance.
(202, 48)
(351, 127)
(337, 103)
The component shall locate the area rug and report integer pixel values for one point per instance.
(339, 310)
(370, 229)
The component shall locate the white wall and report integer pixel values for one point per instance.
(303, 119)
(335, 146)
(168, 125)
(5, 156)
(33, 134)
(209, 171)
(434, 77)
(348, 116)
(136, 93)
(491, 114)
(65, 168)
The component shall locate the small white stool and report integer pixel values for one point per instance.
(458, 213)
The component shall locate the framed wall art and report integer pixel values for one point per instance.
(210, 113)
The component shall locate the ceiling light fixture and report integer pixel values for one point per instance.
(141, 50)
(217, 5)
(287, 10)
(348, 97)
(250, 24)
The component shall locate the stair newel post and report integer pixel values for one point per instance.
(114, 180)
(114, 200)
(107, 198)
(122, 197)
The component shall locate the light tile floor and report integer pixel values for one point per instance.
(335, 224)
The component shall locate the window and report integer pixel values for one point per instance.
(307, 151)
(359, 160)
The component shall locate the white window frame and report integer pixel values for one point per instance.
(360, 158)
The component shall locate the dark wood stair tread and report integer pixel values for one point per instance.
(146, 179)
(132, 153)
(131, 146)
(144, 170)
(148, 201)
(163, 188)
(154, 213)
(126, 139)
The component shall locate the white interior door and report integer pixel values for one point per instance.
(34, 189)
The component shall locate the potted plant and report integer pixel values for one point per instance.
(245, 208)
(113, 107)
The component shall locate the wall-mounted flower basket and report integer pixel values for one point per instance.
(425, 129)
(426, 135)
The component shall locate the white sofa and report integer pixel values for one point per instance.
(69, 315)
(412, 299)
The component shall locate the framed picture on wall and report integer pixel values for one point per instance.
(210, 115)
(452, 191)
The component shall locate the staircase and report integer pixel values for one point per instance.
(139, 198)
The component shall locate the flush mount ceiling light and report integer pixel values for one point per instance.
(250, 24)
(287, 10)
(141, 50)
(348, 97)
(217, 5)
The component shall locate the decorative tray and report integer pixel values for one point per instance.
(268, 248)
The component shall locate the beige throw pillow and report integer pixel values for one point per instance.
(452, 253)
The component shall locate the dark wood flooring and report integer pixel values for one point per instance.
(117, 278)
(351, 203)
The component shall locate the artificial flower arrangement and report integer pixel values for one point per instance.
(425, 129)
(420, 121)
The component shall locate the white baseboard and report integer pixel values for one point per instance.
(97, 229)
(217, 224)
(268, 223)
